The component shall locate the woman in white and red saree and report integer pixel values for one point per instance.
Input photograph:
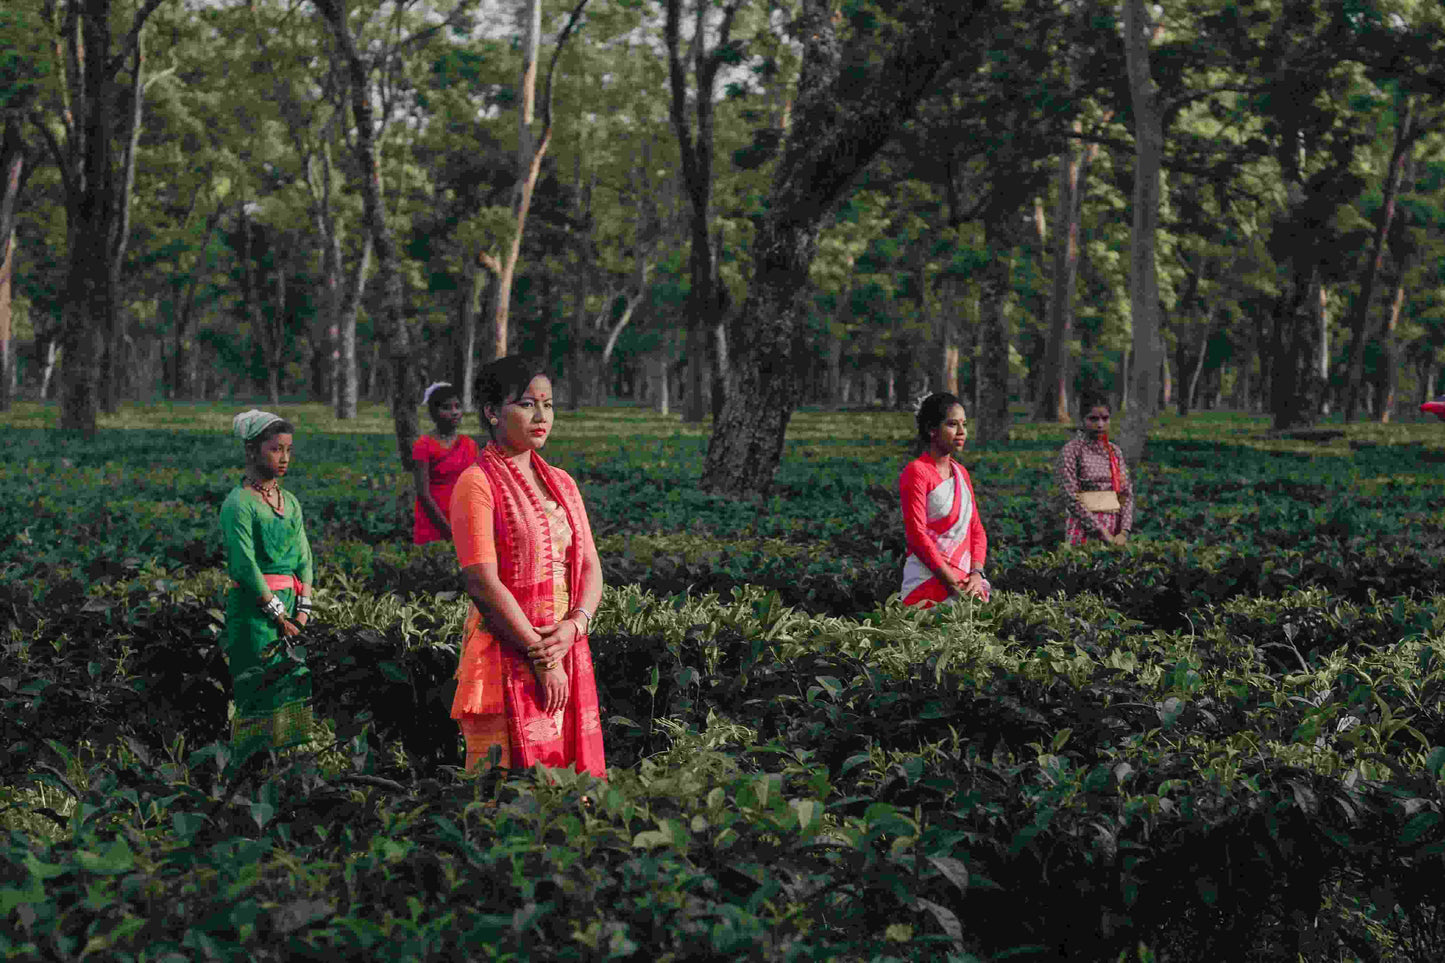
(947, 545)
(524, 681)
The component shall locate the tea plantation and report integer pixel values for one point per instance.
(1224, 742)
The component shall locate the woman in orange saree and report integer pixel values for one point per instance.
(524, 681)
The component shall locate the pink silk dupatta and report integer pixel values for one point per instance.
(496, 679)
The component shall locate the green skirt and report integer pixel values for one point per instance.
(272, 688)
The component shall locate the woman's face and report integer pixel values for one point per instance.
(272, 457)
(1096, 419)
(448, 415)
(952, 432)
(524, 423)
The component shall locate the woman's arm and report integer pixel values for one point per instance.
(305, 571)
(977, 537)
(420, 476)
(1126, 496)
(913, 493)
(499, 607)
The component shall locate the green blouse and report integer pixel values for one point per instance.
(260, 542)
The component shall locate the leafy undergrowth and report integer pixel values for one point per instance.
(1223, 743)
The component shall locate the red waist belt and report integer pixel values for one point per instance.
(278, 583)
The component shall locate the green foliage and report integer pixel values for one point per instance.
(1224, 742)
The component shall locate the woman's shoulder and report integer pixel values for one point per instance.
(565, 478)
(237, 501)
(920, 469)
(424, 448)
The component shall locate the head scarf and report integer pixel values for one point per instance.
(426, 396)
(248, 424)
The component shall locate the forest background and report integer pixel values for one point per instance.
(735, 206)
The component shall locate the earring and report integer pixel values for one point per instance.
(494, 421)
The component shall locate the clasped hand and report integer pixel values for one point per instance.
(553, 642)
(972, 586)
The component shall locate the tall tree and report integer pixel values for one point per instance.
(1143, 399)
(80, 132)
(13, 171)
(361, 71)
(531, 149)
(706, 300)
(1408, 130)
(861, 77)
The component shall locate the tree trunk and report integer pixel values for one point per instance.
(950, 308)
(348, 380)
(1359, 325)
(719, 367)
(113, 370)
(704, 307)
(840, 123)
(1143, 278)
(1074, 164)
(12, 176)
(581, 288)
(392, 328)
(1387, 378)
(474, 285)
(1294, 382)
(8, 251)
(991, 419)
(183, 358)
(531, 148)
(1187, 397)
(328, 323)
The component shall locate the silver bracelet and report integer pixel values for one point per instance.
(274, 608)
(586, 614)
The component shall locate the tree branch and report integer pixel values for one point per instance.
(572, 21)
(132, 37)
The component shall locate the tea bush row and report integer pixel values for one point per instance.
(777, 771)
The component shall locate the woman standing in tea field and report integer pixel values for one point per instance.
(269, 561)
(1094, 482)
(438, 459)
(524, 681)
(947, 545)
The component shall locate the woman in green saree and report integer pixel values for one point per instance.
(269, 561)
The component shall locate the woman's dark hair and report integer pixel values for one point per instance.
(440, 397)
(930, 415)
(1089, 402)
(505, 379)
(282, 427)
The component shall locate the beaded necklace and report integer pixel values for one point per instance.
(266, 493)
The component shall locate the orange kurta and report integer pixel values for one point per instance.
(537, 543)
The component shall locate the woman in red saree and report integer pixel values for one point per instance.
(1094, 482)
(524, 681)
(947, 545)
(438, 459)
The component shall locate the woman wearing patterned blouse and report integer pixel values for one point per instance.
(1098, 496)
